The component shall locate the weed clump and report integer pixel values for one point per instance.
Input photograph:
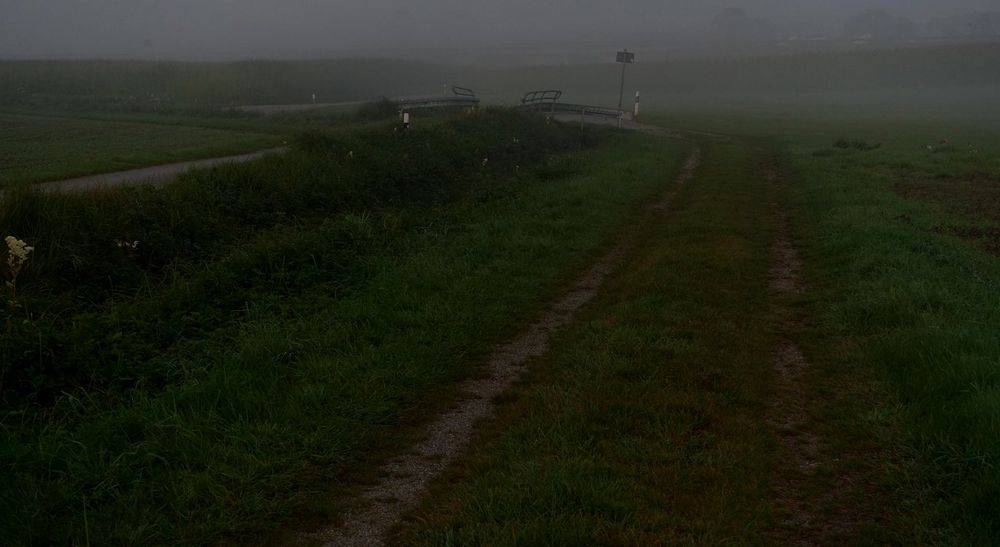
(17, 255)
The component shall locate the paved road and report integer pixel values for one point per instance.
(281, 108)
(154, 176)
(568, 117)
(591, 119)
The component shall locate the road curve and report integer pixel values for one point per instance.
(153, 176)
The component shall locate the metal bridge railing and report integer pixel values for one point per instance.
(461, 97)
(545, 96)
(548, 101)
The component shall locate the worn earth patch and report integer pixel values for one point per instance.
(975, 198)
(988, 238)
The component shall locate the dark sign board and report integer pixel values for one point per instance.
(626, 57)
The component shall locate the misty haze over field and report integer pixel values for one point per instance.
(467, 30)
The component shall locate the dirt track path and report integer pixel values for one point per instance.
(630, 125)
(814, 488)
(820, 489)
(154, 176)
(406, 479)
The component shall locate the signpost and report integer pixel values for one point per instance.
(625, 58)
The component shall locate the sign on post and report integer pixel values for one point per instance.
(625, 58)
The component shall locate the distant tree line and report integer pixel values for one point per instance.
(975, 25)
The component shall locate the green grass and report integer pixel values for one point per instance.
(40, 148)
(918, 306)
(285, 324)
(903, 247)
(343, 329)
(78, 268)
(644, 423)
(42, 145)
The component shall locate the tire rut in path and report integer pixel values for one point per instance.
(405, 480)
(802, 517)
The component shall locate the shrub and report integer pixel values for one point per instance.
(381, 109)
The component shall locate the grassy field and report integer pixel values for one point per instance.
(904, 240)
(644, 423)
(184, 99)
(174, 87)
(282, 328)
(199, 87)
(897, 226)
(234, 369)
(43, 148)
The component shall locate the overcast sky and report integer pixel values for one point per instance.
(313, 28)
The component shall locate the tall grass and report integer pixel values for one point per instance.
(79, 325)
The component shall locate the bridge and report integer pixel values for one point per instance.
(548, 101)
(461, 97)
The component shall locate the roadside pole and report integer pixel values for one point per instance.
(621, 92)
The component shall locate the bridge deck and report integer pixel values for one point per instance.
(437, 102)
(582, 109)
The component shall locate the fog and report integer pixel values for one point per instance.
(446, 30)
